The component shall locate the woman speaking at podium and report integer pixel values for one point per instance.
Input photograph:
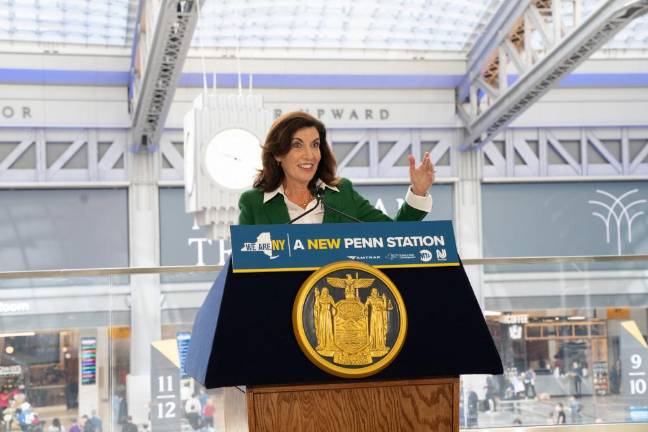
(298, 181)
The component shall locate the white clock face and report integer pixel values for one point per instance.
(232, 158)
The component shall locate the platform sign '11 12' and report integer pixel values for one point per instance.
(166, 408)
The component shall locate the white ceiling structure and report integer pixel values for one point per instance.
(426, 26)
(78, 22)
(487, 33)
(422, 25)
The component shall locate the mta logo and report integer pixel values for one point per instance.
(425, 254)
(265, 244)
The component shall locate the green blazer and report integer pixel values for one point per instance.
(255, 212)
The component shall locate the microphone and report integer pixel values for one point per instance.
(320, 196)
(315, 192)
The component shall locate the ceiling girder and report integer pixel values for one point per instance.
(158, 61)
(487, 101)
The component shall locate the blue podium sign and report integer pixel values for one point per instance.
(257, 248)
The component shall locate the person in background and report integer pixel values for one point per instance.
(4, 400)
(560, 414)
(25, 416)
(615, 378)
(96, 421)
(129, 426)
(36, 425)
(115, 400)
(492, 392)
(72, 394)
(542, 364)
(192, 411)
(74, 426)
(56, 426)
(473, 409)
(517, 391)
(87, 424)
(208, 413)
(202, 398)
(122, 417)
(575, 407)
(576, 375)
(18, 395)
(529, 384)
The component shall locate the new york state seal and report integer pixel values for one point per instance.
(349, 319)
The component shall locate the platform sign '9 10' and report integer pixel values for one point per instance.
(634, 355)
(637, 376)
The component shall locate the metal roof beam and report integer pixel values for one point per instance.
(492, 37)
(489, 111)
(158, 60)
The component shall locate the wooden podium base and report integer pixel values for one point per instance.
(412, 405)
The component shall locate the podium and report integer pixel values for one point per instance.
(243, 333)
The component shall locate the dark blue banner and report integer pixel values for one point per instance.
(308, 247)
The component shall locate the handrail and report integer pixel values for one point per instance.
(114, 271)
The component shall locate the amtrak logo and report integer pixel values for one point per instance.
(265, 244)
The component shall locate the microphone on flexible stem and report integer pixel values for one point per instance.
(315, 192)
(320, 195)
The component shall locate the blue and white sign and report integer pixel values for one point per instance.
(638, 413)
(183, 339)
(308, 247)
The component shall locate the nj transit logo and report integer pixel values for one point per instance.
(265, 244)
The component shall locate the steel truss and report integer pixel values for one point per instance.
(62, 155)
(567, 152)
(533, 49)
(42, 156)
(158, 61)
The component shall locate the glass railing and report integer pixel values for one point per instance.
(75, 346)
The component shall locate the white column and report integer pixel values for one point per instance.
(468, 225)
(103, 373)
(145, 299)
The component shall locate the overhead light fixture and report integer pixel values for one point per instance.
(17, 334)
(576, 318)
(9, 349)
(488, 313)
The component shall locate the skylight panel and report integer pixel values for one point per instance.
(104, 22)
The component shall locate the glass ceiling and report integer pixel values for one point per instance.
(420, 25)
(634, 36)
(425, 25)
(86, 22)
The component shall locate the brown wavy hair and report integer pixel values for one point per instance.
(278, 143)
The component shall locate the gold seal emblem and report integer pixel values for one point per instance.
(349, 319)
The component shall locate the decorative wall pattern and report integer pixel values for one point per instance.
(62, 155)
(567, 152)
